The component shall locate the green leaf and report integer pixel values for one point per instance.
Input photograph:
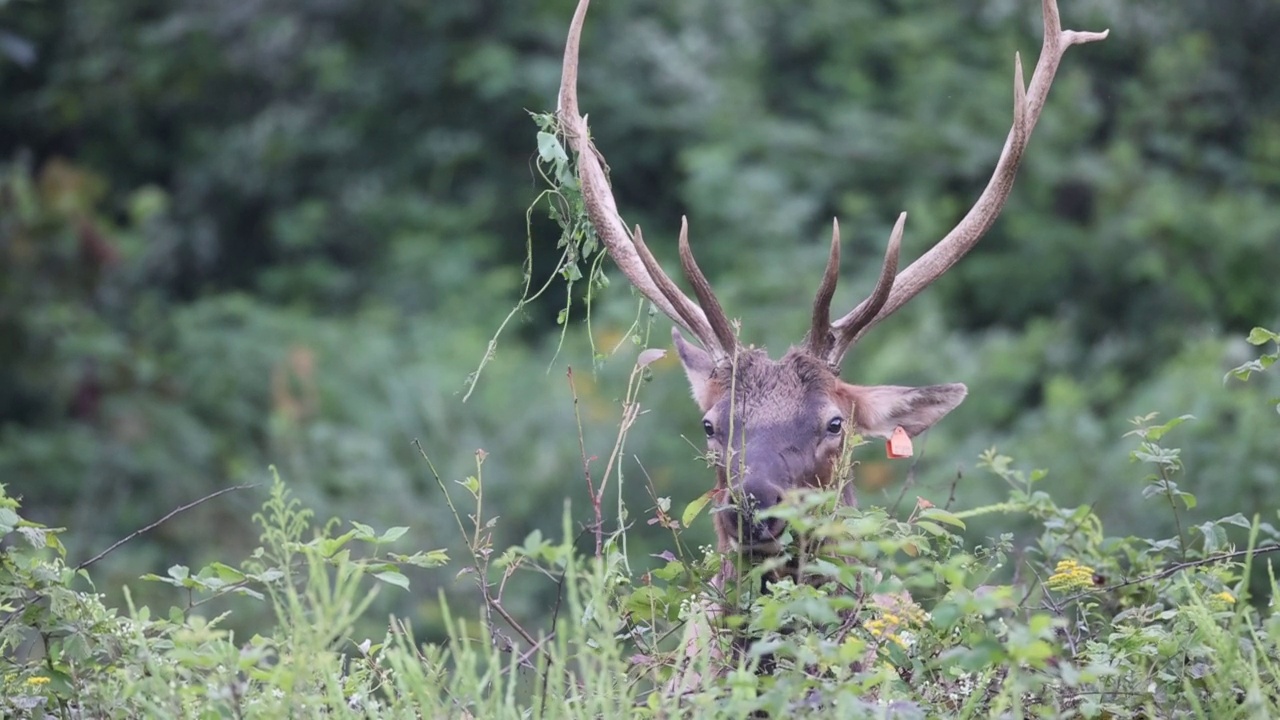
(533, 543)
(36, 537)
(945, 615)
(942, 516)
(8, 520)
(1262, 336)
(226, 572)
(1245, 371)
(648, 603)
(157, 578)
(549, 148)
(472, 484)
(692, 509)
(931, 527)
(1215, 537)
(392, 577)
(330, 546)
(670, 571)
(392, 534)
(1158, 431)
(430, 559)
(1157, 455)
(267, 576)
(248, 591)
(1239, 520)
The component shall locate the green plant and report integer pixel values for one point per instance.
(1259, 336)
(880, 615)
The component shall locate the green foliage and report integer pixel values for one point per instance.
(880, 616)
(66, 653)
(1260, 336)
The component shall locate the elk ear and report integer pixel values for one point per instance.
(698, 367)
(878, 409)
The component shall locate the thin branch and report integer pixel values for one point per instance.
(1179, 567)
(555, 617)
(586, 465)
(160, 522)
(33, 598)
(480, 567)
(952, 497)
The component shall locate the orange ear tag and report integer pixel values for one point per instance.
(898, 445)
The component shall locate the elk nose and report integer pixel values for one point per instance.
(753, 500)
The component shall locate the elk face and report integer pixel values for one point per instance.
(776, 426)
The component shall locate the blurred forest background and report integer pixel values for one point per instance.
(283, 232)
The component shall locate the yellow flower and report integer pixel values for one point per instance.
(898, 614)
(1224, 597)
(881, 629)
(38, 680)
(1070, 575)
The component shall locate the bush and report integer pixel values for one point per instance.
(884, 617)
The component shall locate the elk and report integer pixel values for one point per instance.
(774, 426)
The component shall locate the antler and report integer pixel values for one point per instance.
(708, 323)
(826, 339)
(892, 293)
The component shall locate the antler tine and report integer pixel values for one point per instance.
(603, 209)
(1028, 102)
(867, 310)
(820, 338)
(720, 324)
(711, 341)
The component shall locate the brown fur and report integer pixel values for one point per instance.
(771, 420)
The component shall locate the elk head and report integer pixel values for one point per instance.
(778, 425)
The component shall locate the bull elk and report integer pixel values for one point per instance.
(774, 426)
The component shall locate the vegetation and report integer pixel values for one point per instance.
(233, 237)
(1075, 623)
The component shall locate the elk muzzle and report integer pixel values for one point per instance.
(753, 489)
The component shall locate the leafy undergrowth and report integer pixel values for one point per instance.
(877, 617)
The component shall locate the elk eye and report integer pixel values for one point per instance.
(709, 428)
(835, 426)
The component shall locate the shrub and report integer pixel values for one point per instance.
(884, 617)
